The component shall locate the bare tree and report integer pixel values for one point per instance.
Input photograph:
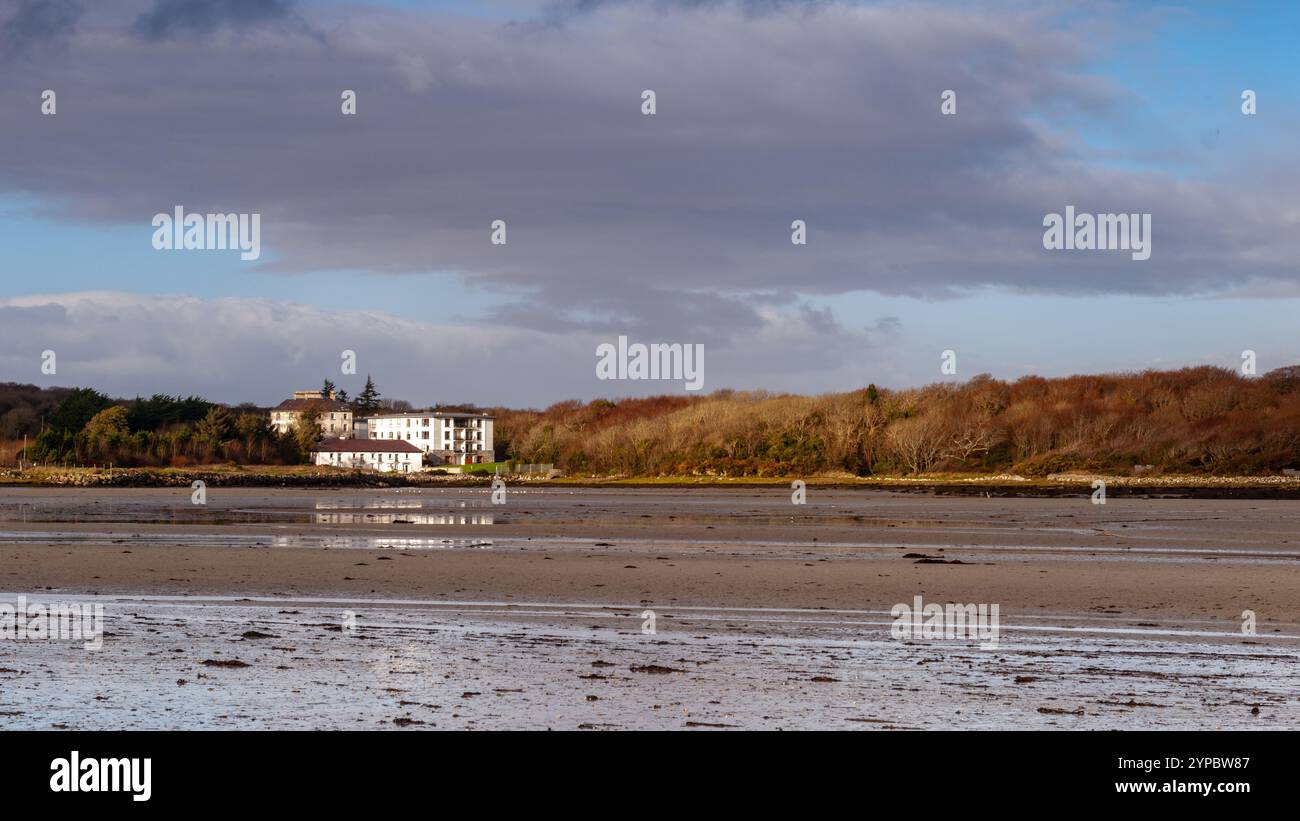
(918, 442)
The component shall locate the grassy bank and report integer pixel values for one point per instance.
(939, 483)
(218, 476)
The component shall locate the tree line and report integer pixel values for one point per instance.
(1195, 420)
(77, 426)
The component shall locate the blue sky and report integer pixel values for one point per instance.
(1150, 100)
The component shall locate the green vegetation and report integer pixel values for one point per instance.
(487, 467)
(87, 427)
(367, 402)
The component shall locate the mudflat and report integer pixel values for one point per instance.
(785, 607)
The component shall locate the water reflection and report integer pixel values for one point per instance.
(381, 542)
(404, 518)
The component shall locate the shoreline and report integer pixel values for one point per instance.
(998, 485)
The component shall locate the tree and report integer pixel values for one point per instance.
(24, 407)
(217, 426)
(307, 431)
(77, 409)
(160, 410)
(918, 443)
(254, 427)
(367, 402)
(107, 427)
(327, 390)
(255, 432)
(342, 396)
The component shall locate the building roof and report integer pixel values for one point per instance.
(365, 446)
(324, 405)
(431, 414)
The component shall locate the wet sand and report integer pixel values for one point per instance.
(768, 614)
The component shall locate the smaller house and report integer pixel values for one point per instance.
(387, 456)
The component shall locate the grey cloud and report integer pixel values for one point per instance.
(886, 327)
(26, 318)
(170, 17)
(564, 10)
(676, 225)
(31, 22)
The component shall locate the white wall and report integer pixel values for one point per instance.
(438, 435)
(385, 462)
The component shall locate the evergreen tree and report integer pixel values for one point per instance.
(367, 402)
(327, 390)
(77, 409)
(217, 427)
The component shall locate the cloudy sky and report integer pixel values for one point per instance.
(924, 230)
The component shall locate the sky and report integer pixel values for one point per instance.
(924, 230)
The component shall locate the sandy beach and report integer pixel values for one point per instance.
(532, 613)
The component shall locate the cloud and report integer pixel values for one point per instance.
(675, 226)
(169, 17)
(33, 22)
(258, 350)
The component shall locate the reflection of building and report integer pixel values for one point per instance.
(335, 417)
(399, 456)
(445, 438)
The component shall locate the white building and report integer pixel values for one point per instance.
(444, 437)
(387, 456)
(335, 417)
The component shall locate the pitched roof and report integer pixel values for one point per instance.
(325, 405)
(365, 446)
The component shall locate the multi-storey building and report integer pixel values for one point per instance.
(335, 417)
(446, 438)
